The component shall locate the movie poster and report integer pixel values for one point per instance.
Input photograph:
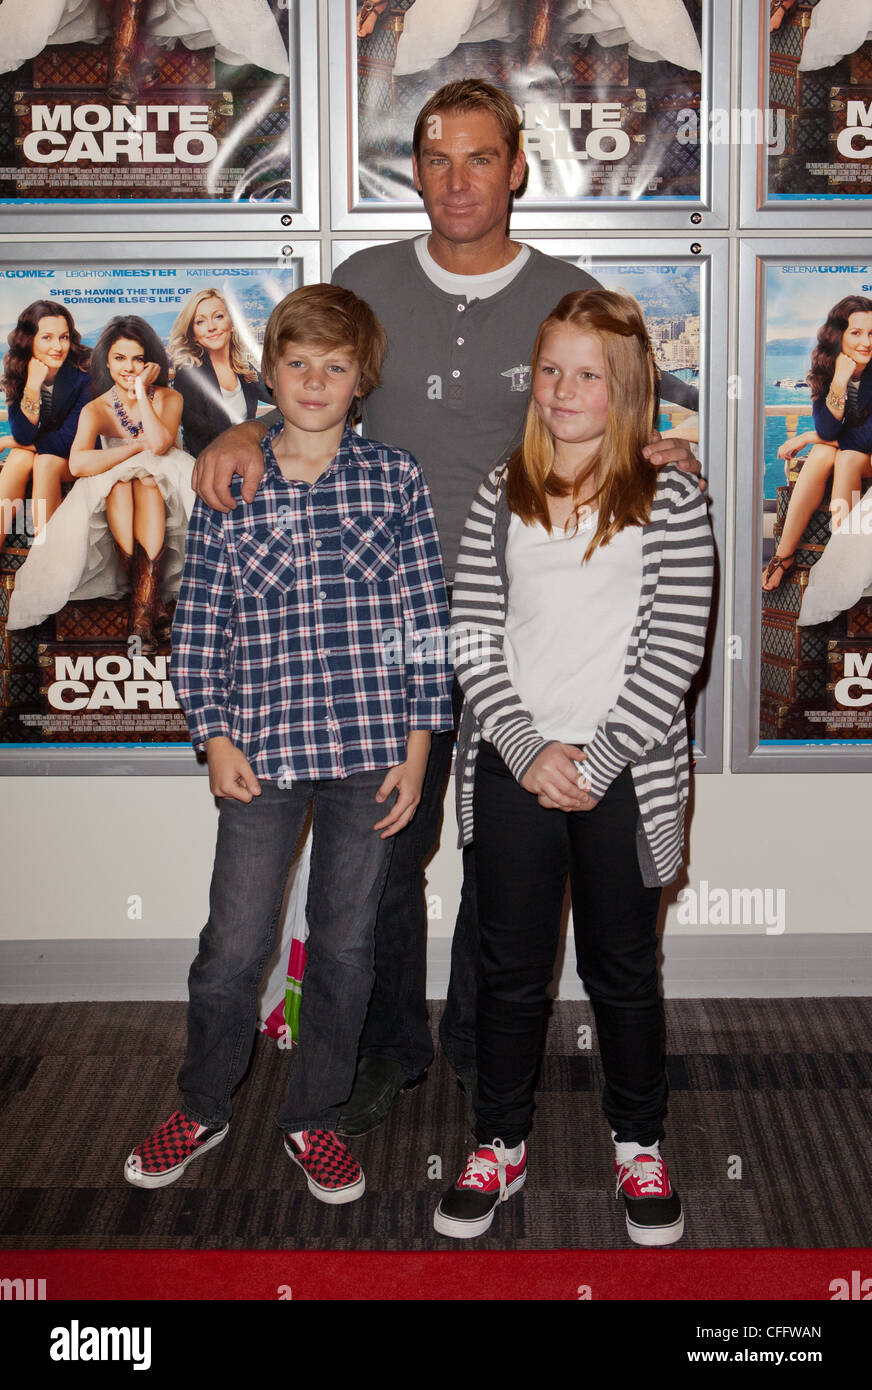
(816, 604)
(609, 100)
(820, 84)
(147, 100)
(92, 533)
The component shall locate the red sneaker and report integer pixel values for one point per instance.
(164, 1155)
(654, 1215)
(332, 1173)
(467, 1209)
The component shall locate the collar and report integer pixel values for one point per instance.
(353, 452)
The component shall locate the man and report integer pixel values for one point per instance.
(461, 308)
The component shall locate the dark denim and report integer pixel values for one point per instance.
(256, 843)
(523, 854)
(397, 1025)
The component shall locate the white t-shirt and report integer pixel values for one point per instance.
(234, 402)
(472, 286)
(569, 624)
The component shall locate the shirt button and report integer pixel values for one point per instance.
(461, 308)
(460, 342)
(318, 545)
(455, 373)
(322, 593)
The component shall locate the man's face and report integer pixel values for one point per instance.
(464, 175)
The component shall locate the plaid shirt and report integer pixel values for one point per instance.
(298, 630)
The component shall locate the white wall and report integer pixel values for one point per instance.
(76, 849)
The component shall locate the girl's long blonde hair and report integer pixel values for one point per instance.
(185, 352)
(625, 481)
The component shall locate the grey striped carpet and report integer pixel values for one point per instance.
(769, 1136)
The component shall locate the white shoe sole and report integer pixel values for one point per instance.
(467, 1230)
(333, 1196)
(135, 1175)
(656, 1235)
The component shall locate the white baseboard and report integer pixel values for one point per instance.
(694, 967)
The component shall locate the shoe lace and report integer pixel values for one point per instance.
(481, 1165)
(648, 1174)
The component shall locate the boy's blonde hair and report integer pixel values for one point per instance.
(327, 316)
(625, 481)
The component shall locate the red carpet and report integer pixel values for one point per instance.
(558, 1275)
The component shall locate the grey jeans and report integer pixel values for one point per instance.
(256, 842)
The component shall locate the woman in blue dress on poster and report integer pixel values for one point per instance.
(47, 382)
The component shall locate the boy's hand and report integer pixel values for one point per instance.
(673, 450)
(230, 772)
(237, 450)
(406, 779)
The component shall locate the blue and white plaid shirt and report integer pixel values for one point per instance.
(311, 626)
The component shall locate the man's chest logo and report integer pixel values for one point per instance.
(520, 377)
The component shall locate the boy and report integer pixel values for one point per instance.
(285, 660)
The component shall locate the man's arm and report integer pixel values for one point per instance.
(237, 450)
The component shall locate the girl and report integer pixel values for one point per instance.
(579, 618)
(46, 380)
(217, 382)
(123, 524)
(841, 391)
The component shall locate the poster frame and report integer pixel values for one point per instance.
(301, 212)
(747, 752)
(710, 211)
(123, 759)
(712, 254)
(756, 209)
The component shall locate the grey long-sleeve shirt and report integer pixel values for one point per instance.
(456, 380)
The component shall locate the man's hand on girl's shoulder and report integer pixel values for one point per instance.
(673, 450)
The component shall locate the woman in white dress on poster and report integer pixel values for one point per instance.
(123, 524)
(837, 28)
(654, 29)
(241, 31)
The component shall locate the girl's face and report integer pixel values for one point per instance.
(51, 342)
(126, 362)
(211, 326)
(569, 387)
(857, 339)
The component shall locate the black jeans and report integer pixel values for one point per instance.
(523, 853)
(397, 1025)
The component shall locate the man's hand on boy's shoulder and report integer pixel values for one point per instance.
(661, 451)
(230, 772)
(406, 779)
(236, 451)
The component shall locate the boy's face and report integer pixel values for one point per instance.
(314, 386)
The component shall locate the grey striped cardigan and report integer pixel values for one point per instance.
(647, 726)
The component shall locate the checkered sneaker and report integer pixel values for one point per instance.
(467, 1209)
(164, 1155)
(332, 1173)
(654, 1215)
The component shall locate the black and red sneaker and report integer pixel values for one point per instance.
(654, 1215)
(332, 1173)
(164, 1155)
(467, 1209)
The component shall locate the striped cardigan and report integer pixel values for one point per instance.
(647, 727)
